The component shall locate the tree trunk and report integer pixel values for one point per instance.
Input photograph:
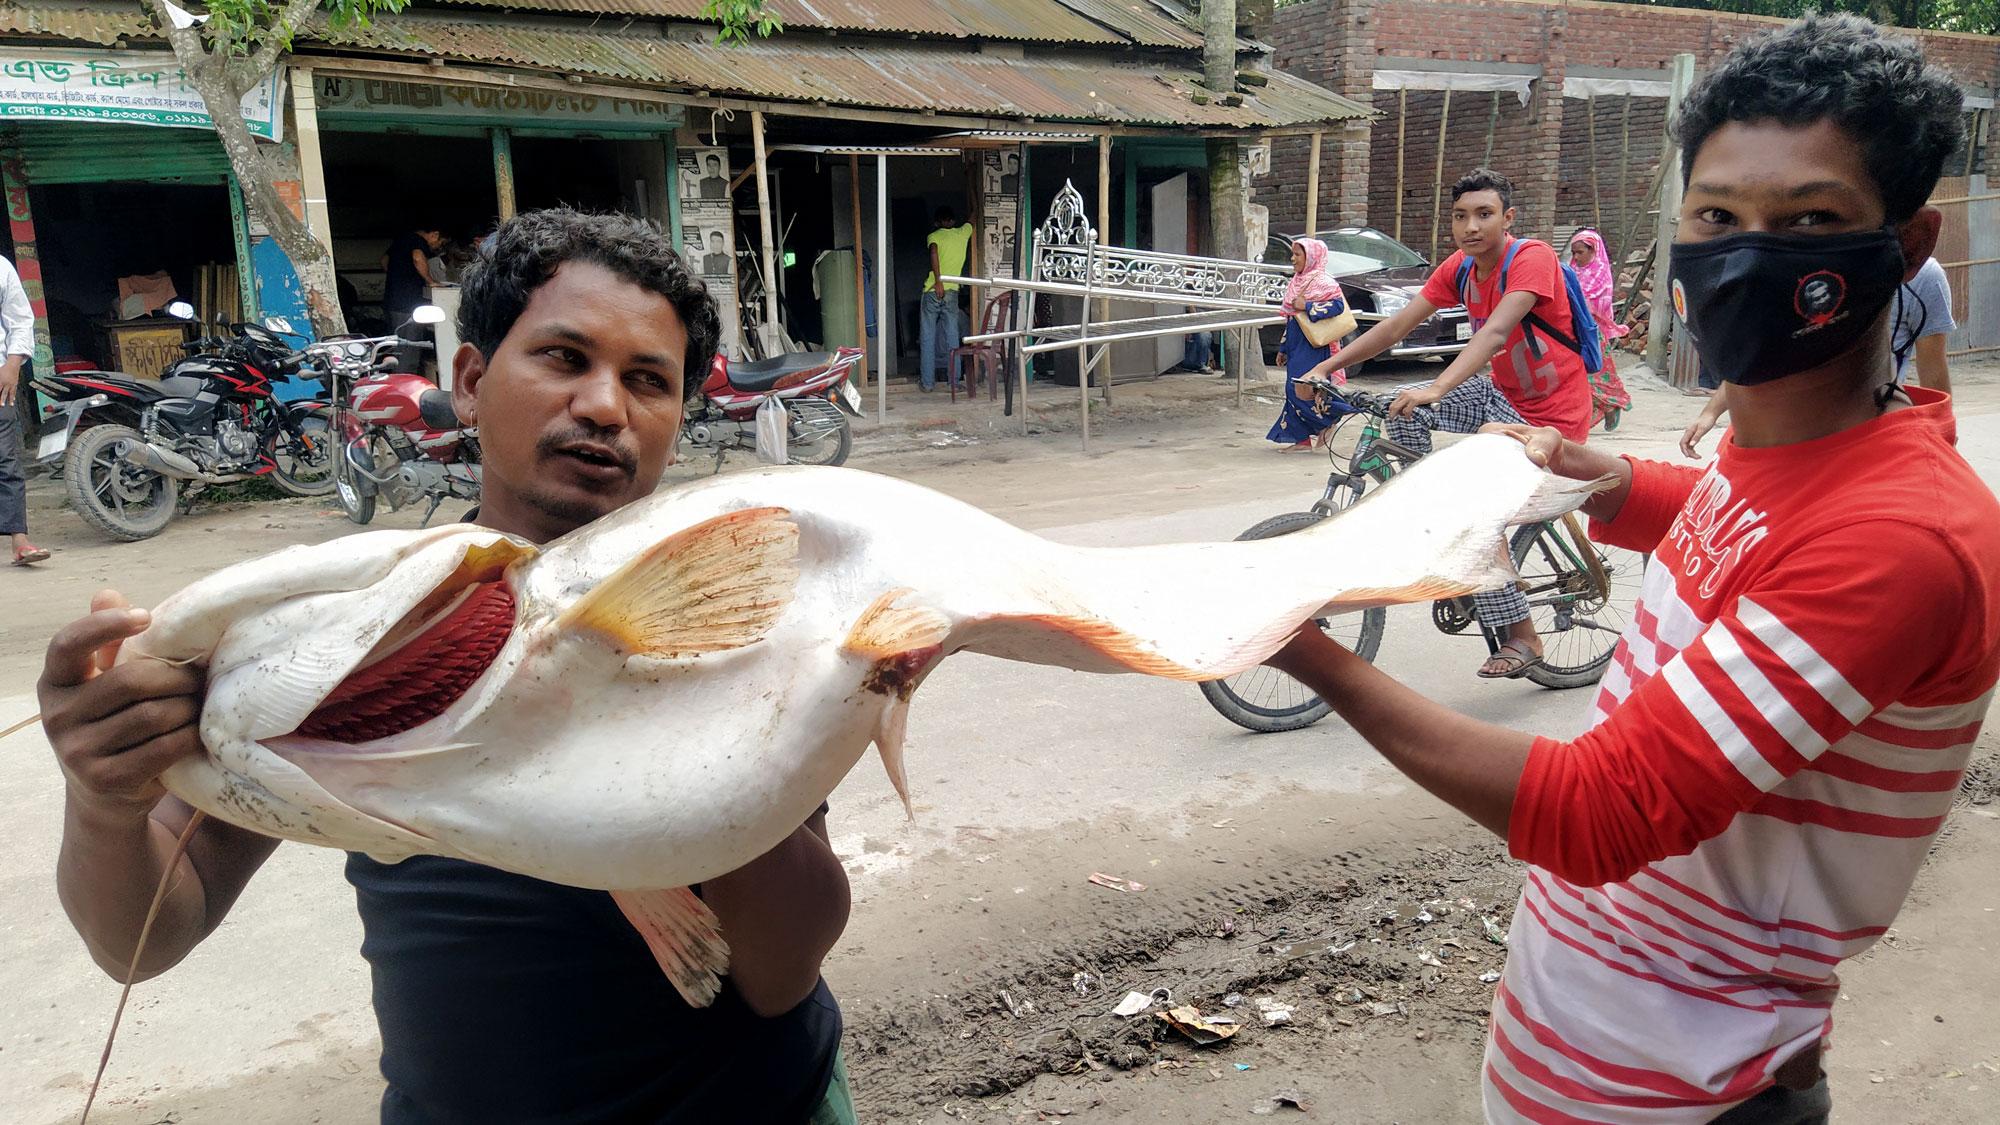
(212, 79)
(1218, 45)
(1226, 199)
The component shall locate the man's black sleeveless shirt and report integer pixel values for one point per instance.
(507, 999)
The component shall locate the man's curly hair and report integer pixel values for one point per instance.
(1907, 115)
(529, 248)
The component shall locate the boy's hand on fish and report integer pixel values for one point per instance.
(116, 729)
(1544, 443)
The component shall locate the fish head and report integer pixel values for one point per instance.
(286, 637)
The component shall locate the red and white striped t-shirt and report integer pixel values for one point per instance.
(1786, 720)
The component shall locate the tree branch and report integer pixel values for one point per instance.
(288, 23)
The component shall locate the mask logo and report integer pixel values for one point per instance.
(1819, 298)
(1680, 300)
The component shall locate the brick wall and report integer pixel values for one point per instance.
(1543, 146)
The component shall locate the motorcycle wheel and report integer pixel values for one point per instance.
(307, 470)
(820, 433)
(359, 505)
(112, 495)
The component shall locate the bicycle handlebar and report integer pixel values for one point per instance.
(1364, 401)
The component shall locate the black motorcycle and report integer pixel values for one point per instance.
(131, 450)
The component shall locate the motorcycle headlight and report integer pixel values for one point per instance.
(1391, 302)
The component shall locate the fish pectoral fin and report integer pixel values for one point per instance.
(889, 744)
(718, 585)
(685, 937)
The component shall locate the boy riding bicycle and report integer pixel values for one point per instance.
(1526, 332)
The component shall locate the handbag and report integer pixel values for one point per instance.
(1325, 323)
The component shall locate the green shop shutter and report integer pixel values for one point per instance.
(89, 152)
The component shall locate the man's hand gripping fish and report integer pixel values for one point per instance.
(662, 696)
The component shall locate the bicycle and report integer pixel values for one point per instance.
(1579, 593)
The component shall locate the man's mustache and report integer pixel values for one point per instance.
(601, 441)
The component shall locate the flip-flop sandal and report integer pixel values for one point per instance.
(31, 555)
(1524, 661)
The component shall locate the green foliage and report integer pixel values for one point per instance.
(1978, 16)
(738, 18)
(241, 27)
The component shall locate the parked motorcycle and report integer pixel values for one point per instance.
(400, 439)
(814, 388)
(131, 450)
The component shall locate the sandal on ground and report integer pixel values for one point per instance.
(31, 554)
(1516, 660)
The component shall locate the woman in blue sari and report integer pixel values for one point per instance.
(1304, 416)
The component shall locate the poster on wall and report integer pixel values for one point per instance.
(999, 210)
(708, 232)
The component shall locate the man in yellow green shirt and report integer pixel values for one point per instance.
(941, 323)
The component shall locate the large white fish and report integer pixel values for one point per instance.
(665, 694)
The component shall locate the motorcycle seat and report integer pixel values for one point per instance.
(763, 374)
(438, 413)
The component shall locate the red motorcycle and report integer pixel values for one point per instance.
(401, 440)
(813, 387)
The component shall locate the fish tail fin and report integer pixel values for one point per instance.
(718, 585)
(1556, 496)
(685, 937)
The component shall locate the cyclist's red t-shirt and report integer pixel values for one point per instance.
(1551, 389)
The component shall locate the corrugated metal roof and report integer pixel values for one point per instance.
(102, 25)
(1030, 21)
(912, 78)
(1142, 21)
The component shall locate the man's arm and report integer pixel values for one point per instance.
(1711, 413)
(115, 730)
(781, 914)
(937, 274)
(423, 264)
(17, 319)
(1486, 343)
(1385, 335)
(1932, 370)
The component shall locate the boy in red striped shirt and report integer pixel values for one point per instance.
(1787, 718)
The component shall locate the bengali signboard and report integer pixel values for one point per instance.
(340, 96)
(124, 87)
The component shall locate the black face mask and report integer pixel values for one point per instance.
(1764, 306)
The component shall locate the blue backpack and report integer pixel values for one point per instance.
(1588, 344)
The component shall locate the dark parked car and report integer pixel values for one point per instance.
(1380, 275)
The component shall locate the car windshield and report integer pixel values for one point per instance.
(1369, 245)
(1347, 265)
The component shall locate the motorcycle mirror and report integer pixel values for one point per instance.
(278, 324)
(427, 314)
(181, 309)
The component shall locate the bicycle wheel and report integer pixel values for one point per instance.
(1266, 700)
(1579, 617)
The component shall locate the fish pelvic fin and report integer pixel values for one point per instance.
(889, 743)
(886, 629)
(685, 937)
(718, 585)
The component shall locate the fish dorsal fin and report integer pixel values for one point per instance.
(718, 585)
(685, 937)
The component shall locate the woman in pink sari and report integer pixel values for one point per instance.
(1305, 416)
(1592, 264)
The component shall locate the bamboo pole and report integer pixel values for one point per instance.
(1437, 174)
(1670, 205)
(860, 274)
(1402, 126)
(764, 226)
(1597, 192)
(1492, 124)
(885, 317)
(1104, 232)
(1624, 175)
(1312, 186)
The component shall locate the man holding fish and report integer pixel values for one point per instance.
(1788, 717)
(500, 997)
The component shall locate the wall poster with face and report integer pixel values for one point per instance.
(708, 234)
(999, 207)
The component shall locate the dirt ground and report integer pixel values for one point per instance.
(975, 987)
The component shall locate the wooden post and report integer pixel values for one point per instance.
(1624, 175)
(1670, 207)
(27, 253)
(312, 173)
(885, 314)
(1103, 233)
(1437, 174)
(764, 228)
(1312, 185)
(1402, 127)
(860, 275)
(1596, 194)
(503, 172)
(1492, 125)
